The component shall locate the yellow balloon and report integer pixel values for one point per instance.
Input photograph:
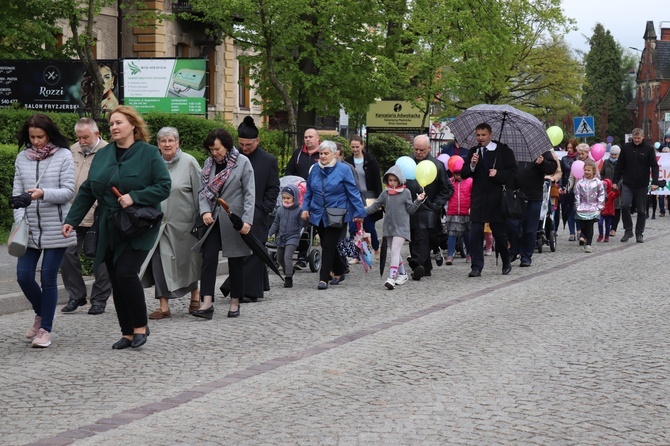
(426, 172)
(555, 135)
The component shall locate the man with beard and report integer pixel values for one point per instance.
(83, 152)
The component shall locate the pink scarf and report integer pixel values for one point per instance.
(213, 189)
(34, 154)
(395, 191)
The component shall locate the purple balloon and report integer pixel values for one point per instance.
(577, 169)
(445, 160)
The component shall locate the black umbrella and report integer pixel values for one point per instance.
(251, 241)
(382, 256)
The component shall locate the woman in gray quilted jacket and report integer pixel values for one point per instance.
(44, 174)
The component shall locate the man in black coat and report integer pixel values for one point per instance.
(266, 176)
(530, 181)
(491, 164)
(637, 161)
(425, 222)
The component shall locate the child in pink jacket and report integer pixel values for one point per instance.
(457, 221)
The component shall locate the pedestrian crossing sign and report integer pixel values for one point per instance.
(584, 126)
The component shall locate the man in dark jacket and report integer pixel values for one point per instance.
(491, 165)
(530, 181)
(425, 222)
(266, 179)
(637, 161)
(302, 159)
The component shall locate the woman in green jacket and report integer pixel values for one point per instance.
(136, 169)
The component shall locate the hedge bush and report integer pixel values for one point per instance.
(387, 148)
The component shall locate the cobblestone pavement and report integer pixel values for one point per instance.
(573, 350)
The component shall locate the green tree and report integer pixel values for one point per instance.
(466, 52)
(28, 29)
(606, 84)
(307, 56)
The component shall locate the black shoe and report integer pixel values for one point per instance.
(288, 282)
(322, 285)
(121, 344)
(96, 309)
(234, 313)
(639, 238)
(73, 304)
(524, 264)
(627, 236)
(427, 274)
(139, 339)
(513, 258)
(337, 280)
(506, 269)
(418, 273)
(205, 314)
(475, 273)
(300, 264)
(247, 299)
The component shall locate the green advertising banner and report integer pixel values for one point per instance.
(166, 85)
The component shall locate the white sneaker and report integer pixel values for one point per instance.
(402, 278)
(588, 248)
(390, 283)
(488, 251)
(43, 338)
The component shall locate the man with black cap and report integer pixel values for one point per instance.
(266, 176)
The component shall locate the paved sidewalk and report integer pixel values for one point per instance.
(573, 350)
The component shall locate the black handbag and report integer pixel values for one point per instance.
(90, 244)
(335, 217)
(512, 204)
(199, 229)
(134, 220)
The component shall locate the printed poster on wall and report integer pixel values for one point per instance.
(166, 85)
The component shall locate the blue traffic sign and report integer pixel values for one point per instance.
(584, 126)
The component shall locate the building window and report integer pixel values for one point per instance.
(243, 87)
(181, 50)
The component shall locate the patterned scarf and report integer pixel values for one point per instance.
(395, 191)
(215, 184)
(34, 154)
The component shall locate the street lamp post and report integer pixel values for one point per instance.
(646, 92)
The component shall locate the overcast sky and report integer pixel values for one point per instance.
(625, 19)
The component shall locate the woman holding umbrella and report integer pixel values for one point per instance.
(228, 175)
(136, 169)
(331, 188)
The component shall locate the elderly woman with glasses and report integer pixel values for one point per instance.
(331, 201)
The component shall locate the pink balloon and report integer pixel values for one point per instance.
(445, 160)
(577, 169)
(597, 151)
(458, 165)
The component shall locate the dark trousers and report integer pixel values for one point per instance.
(616, 219)
(73, 280)
(330, 257)
(127, 290)
(210, 263)
(477, 243)
(522, 234)
(419, 247)
(628, 195)
(587, 230)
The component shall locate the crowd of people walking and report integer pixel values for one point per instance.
(71, 196)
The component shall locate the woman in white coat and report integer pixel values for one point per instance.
(227, 174)
(44, 174)
(171, 266)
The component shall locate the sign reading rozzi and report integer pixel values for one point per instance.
(55, 85)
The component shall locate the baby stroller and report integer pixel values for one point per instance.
(306, 235)
(546, 235)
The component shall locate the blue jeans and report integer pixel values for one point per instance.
(451, 244)
(45, 298)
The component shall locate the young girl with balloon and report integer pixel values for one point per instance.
(456, 222)
(397, 202)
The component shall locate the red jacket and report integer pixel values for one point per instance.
(459, 203)
(611, 195)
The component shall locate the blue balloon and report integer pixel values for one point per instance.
(408, 167)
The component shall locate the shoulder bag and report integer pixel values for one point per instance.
(17, 244)
(334, 216)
